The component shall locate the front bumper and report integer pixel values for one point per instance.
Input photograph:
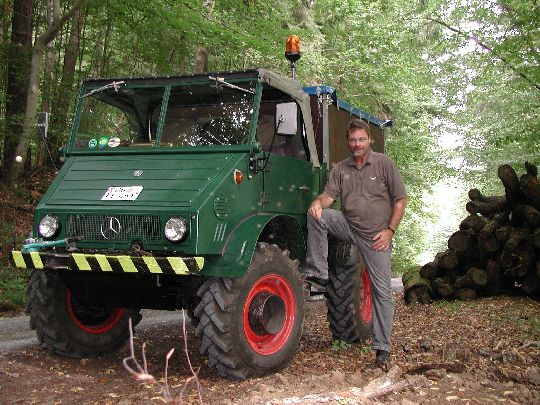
(93, 262)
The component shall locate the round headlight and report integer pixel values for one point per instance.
(48, 226)
(176, 229)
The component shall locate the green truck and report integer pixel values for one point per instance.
(191, 192)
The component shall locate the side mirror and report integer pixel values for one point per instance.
(286, 119)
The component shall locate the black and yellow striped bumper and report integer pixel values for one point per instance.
(108, 263)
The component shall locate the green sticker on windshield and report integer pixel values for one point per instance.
(92, 143)
(103, 141)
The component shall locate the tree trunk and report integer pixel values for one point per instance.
(201, 59)
(512, 186)
(474, 222)
(487, 208)
(531, 189)
(47, 81)
(429, 270)
(18, 63)
(462, 242)
(443, 287)
(15, 171)
(65, 90)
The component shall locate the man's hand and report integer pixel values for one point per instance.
(315, 210)
(321, 202)
(382, 240)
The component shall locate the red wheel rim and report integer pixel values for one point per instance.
(366, 306)
(102, 326)
(267, 344)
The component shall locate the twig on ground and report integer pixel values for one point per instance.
(141, 372)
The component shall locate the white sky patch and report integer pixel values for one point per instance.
(443, 202)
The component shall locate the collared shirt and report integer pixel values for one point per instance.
(368, 192)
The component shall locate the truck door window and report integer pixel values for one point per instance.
(291, 146)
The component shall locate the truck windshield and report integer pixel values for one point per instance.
(209, 114)
(198, 114)
(119, 116)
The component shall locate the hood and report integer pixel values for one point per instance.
(138, 181)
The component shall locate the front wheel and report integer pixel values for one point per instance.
(251, 325)
(69, 327)
(348, 294)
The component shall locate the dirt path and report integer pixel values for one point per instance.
(483, 351)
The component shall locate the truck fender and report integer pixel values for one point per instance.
(238, 249)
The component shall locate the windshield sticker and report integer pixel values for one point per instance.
(103, 141)
(114, 142)
(128, 193)
(92, 143)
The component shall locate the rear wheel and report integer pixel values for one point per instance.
(69, 327)
(251, 325)
(348, 294)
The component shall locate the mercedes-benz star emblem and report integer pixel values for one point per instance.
(110, 227)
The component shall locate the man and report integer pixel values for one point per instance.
(373, 201)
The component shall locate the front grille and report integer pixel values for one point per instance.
(114, 228)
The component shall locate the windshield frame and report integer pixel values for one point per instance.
(166, 85)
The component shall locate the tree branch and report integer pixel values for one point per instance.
(487, 48)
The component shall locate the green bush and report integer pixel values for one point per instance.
(12, 288)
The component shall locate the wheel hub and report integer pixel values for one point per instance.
(266, 314)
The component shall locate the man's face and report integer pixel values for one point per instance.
(359, 142)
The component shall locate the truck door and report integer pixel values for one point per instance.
(290, 183)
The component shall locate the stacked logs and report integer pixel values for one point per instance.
(496, 250)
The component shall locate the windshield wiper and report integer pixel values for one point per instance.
(220, 81)
(116, 86)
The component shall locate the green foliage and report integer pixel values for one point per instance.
(12, 288)
(340, 345)
(450, 306)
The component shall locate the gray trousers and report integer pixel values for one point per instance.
(333, 222)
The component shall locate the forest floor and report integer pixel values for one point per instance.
(474, 352)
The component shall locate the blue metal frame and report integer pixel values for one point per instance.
(343, 105)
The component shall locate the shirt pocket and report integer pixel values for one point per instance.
(375, 188)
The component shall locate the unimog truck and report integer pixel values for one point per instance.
(191, 192)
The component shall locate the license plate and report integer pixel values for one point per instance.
(129, 193)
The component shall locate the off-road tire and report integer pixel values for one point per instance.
(61, 325)
(232, 345)
(348, 294)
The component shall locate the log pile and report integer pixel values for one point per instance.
(495, 251)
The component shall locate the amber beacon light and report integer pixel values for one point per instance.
(292, 52)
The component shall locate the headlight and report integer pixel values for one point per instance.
(176, 229)
(48, 226)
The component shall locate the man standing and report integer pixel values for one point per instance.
(373, 201)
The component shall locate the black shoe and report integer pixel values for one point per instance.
(382, 359)
(321, 282)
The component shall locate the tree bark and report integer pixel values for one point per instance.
(531, 189)
(18, 64)
(512, 186)
(443, 287)
(474, 222)
(487, 208)
(65, 90)
(462, 242)
(15, 171)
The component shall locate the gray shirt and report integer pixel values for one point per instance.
(367, 193)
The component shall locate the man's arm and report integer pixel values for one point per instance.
(321, 202)
(397, 212)
(382, 239)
